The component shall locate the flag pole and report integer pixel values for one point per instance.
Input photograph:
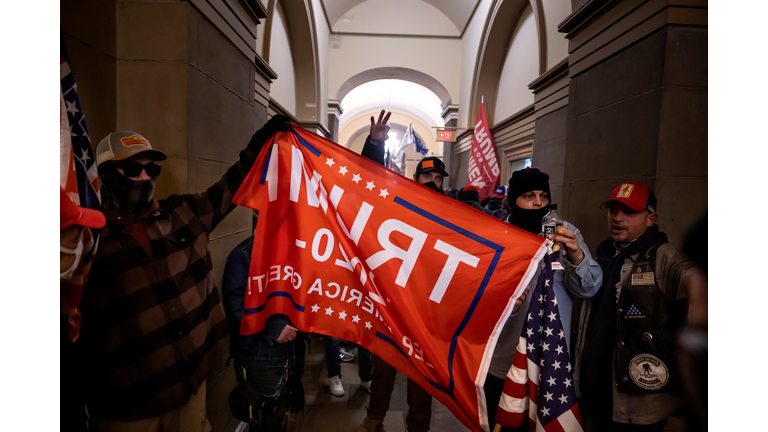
(497, 428)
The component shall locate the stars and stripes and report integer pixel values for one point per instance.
(78, 166)
(539, 385)
(79, 179)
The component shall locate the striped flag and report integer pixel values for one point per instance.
(539, 384)
(79, 179)
(78, 167)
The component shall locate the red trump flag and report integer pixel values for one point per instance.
(346, 248)
(483, 169)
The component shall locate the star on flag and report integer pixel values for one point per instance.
(537, 392)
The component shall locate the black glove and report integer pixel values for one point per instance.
(295, 399)
(276, 124)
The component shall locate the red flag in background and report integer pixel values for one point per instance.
(350, 249)
(483, 169)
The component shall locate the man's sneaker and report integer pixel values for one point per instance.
(346, 355)
(366, 385)
(337, 389)
(371, 425)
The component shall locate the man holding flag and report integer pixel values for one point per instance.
(352, 250)
(575, 275)
(152, 317)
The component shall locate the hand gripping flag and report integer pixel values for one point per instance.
(483, 169)
(539, 384)
(349, 249)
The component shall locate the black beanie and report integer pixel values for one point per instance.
(469, 194)
(526, 180)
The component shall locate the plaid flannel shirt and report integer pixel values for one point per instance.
(152, 326)
(72, 290)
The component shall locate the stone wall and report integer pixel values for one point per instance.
(641, 115)
(168, 71)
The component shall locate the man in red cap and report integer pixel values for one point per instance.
(76, 249)
(625, 366)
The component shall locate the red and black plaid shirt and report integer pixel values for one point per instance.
(152, 324)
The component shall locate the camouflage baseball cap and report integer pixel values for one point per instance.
(121, 145)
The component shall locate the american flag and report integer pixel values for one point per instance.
(539, 384)
(78, 167)
(79, 179)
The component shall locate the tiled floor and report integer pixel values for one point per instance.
(324, 412)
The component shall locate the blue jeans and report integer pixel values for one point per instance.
(332, 359)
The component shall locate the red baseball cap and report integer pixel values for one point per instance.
(73, 214)
(634, 195)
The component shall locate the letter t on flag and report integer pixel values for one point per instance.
(350, 249)
(483, 167)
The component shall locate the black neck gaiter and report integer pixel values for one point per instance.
(432, 185)
(529, 220)
(124, 196)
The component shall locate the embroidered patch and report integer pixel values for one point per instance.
(427, 164)
(645, 278)
(625, 191)
(556, 265)
(133, 140)
(634, 312)
(648, 372)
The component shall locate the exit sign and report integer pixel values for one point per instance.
(446, 135)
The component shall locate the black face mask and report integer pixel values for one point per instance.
(529, 220)
(432, 185)
(124, 196)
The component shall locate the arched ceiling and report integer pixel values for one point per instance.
(391, 94)
(408, 17)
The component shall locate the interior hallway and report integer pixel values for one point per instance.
(324, 412)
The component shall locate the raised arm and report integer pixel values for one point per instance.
(213, 205)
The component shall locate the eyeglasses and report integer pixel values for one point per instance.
(133, 169)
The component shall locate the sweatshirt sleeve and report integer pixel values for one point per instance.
(585, 279)
(374, 150)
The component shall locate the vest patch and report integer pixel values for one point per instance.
(645, 278)
(634, 312)
(648, 372)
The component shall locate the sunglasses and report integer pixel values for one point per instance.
(133, 169)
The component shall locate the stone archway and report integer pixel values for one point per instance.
(302, 36)
(491, 54)
(400, 73)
